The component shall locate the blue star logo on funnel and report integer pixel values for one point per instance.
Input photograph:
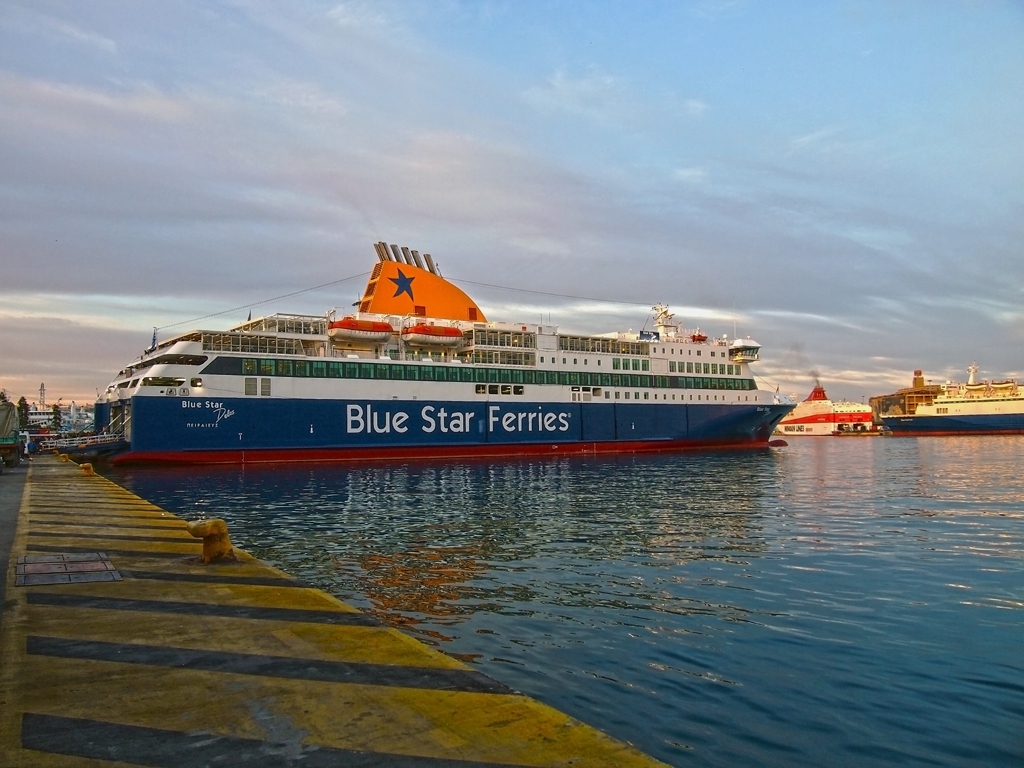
(404, 285)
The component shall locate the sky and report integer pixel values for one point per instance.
(841, 181)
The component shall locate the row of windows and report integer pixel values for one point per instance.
(587, 394)
(504, 389)
(336, 369)
(247, 342)
(288, 324)
(615, 346)
(625, 364)
(719, 368)
(503, 357)
(491, 338)
(647, 396)
(590, 344)
(672, 351)
(618, 364)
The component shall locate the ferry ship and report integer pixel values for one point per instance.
(974, 408)
(420, 371)
(818, 416)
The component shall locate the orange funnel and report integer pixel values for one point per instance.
(402, 289)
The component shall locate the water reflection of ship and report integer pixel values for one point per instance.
(501, 515)
(424, 581)
(432, 547)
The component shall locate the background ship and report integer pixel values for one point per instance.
(419, 371)
(906, 400)
(817, 416)
(973, 408)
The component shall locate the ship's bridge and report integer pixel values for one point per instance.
(745, 351)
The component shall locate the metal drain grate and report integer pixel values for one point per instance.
(66, 568)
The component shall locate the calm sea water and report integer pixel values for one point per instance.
(842, 602)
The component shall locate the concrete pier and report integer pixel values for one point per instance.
(120, 647)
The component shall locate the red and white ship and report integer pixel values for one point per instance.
(819, 416)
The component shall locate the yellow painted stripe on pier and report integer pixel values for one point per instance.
(183, 664)
(368, 645)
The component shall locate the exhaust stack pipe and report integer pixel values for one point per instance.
(404, 255)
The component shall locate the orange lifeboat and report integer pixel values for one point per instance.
(432, 335)
(698, 337)
(351, 329)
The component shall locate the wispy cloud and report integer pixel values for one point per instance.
(610, 100)
(691, 175)
(894, 242)
(101, 312)
(814, 140)
(62, 104)
(807, 317)
(695, 107)
(597, 95)
(85, 36)
(303, 96)
(611, 316)
(58, 29)
(359, 13)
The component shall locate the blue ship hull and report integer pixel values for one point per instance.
(243, 430)
(957, 424)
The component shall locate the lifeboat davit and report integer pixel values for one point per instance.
(432, 335)
(351, 329)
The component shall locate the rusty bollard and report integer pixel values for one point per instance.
(216, 542)
(87, 470)
(64, 457)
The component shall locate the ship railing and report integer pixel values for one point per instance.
(428, 358)
(79, 442)
(989, 392)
